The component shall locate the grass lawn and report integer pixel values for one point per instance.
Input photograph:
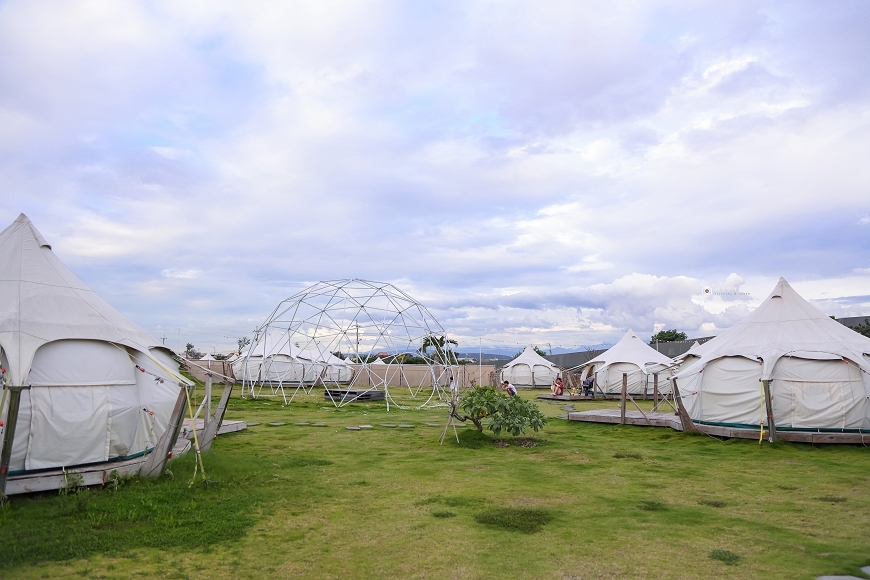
(575, 501)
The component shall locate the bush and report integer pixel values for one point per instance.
(511, 414)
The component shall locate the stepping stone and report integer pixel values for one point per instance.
(565, 416)
(366, 427)
(387, 425)
(302, 423)
(433, 424)
(352, 428)
(405, 426)
(277, 424)
(318, 424)
(252, 423)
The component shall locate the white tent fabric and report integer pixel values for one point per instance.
(633, 357)
(88, 402)
(530, 369)
(818, 370)
(276, 360)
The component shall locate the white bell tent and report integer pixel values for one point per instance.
(529, 369)
(96, 386)
(630, 356)
(817, 368)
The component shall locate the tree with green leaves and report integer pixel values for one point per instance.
(511, 414)
(536, 349)
(862, 328)
(443, 353)
(668, 336)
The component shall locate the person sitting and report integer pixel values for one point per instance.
(558, 387)
(587, 384)
(509, 389)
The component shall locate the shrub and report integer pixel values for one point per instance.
(511, 414)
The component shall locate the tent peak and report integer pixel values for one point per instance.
(22, 219)
(780, 286)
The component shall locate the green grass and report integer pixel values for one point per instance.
(574, 501)
(525, 520)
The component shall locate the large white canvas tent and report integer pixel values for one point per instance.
(817, 368)
(634, 358)
(98, 387)
(530, 369)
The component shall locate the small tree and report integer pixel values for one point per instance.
(511, 414)
(862, 328)
(190, 352)
(443, 353)
(243, 342)
(667, 336)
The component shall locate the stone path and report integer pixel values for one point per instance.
(865, 569)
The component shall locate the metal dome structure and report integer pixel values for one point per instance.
(352, 334)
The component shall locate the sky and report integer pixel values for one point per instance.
(534, 173)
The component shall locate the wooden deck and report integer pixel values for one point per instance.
(101, 473)
(597, 397)
(671, 420)
(353, 395)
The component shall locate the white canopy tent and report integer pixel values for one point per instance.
(817, 368)
(630, 356)
(530, 369)
(97, 386)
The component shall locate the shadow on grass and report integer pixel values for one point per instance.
(525, 520)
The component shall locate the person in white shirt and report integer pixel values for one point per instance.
(509, 389)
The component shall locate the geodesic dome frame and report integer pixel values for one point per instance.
(330, 334)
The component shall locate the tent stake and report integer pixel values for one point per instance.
(9, 434)
(771, 424)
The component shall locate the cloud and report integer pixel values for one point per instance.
(183, 274)
(561, 171)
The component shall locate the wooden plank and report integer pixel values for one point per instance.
(214, 425)
(771, 424)
(156, 460)
(686, 421)
(9, 435)
(622, 394)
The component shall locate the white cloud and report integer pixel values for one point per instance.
(183, 274)
(518, 167)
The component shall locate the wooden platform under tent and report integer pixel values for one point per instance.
(103, 473)
(596, 397)
(672, 420)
